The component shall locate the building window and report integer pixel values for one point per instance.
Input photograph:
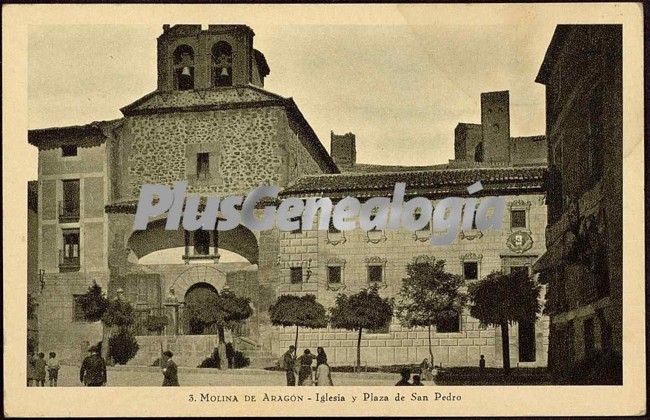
(68, 150)
(296, 275)
(478, 152)
(332, 228)
(77, 309)
(449, 323)
(202, 165)
(222, 64)
(184, 68)
(69, 206)
(334, 274)
(201, 242)
(470, 270)
(522, 269)
(70, 253)
(518, 219)
(375, 274)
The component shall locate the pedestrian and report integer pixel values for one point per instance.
(406, 375)
(39, 369)
(93, 369)
(289, 365)
(321, 357)
(481, 363)
(31, 371)
(53, 367)
(416, 381)
(305, 374)
(425, 370)
(170, 371)
(323, 375)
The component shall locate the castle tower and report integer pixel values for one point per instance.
(495, 123)
(191, 58)
(343, 150)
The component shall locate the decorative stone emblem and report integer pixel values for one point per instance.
(519, 241)
(471, 234)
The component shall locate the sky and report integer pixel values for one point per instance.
(401, 89)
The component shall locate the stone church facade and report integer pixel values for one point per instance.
(211, 122)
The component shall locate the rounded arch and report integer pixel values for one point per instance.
(240, 240)
(221, 64)
(183, 52)
(206, 275)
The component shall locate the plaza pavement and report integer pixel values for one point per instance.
(148, 376)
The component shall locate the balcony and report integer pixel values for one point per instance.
(68, 264)
(68, 213)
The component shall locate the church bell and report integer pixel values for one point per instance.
(186, 71)
(224, 72)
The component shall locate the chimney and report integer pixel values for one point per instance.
(495, 123)
(343, 150)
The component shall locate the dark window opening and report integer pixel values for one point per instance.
(527, 341)
(68, 150)
(69, 207)
(222, 64)
(517, 219)
(522, 269)
(203, 165)
(470, 270)
(332, 228)
(478, 152)
(201, 242)
(375, 273)
(296, 275)
(77, 309)
(449, 323)
(70, 252)
(334, 274)
(184, 67)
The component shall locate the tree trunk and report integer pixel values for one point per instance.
(359, 351)
(106, 334)
(430, 350)
(296, 341)
(222, 348)
(505, 344)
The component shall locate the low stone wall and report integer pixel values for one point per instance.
(189, 350)
(405, 345)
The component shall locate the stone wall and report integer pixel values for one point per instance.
(189, 350)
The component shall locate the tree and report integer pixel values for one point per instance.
(122, 346)
(224, 310)
(93, 303)
(429, 294)
(113, 314)
(298, 311)
(365, 309)
(501, 299)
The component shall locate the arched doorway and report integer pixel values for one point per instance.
(198, 297)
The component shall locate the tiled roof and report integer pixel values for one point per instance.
(80, 135)
(439, 182)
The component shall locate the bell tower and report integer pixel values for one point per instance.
(193, 58)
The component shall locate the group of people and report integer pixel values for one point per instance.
(303, 366)
(38, 367)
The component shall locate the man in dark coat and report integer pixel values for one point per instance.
(289, 364)
(93, 369)
(170, 372)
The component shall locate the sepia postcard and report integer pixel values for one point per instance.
(212, 210)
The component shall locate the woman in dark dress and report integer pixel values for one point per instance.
(321, 357)
(304, 374)
(170, 372)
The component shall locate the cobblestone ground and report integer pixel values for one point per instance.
(69, 376)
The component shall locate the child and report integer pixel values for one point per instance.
(39, 367)
(53, 366)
